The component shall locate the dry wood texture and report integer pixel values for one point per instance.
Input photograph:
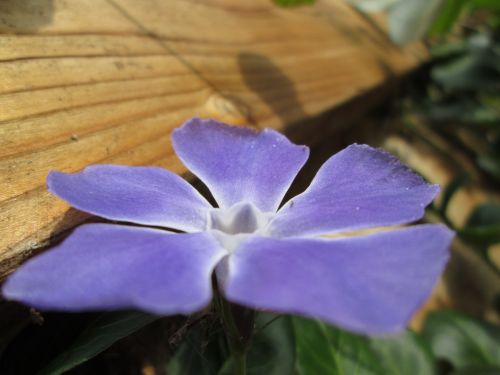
(105, 81)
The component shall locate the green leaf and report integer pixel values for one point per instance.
(483, 225)
(323, 349)
(489, 370)
(490, 164)
(463, 111)
(448, 15)
(485, 214)
(273, 348)
(202, 352)
(478, 69)
(410, 20)
(205, 352)
(287, 3)
(483, 236)
(405, 353)
(493, 5)
(451, 49)
(461, 340)
(99, 335)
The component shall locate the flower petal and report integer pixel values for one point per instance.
(359, 187)
(369, 284)
(238, 164)
(105, 266)
(143, 195)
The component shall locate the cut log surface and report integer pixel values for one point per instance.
(106, 81)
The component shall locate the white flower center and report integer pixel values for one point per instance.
(232, 225)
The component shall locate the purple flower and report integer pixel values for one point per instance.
(264, 257)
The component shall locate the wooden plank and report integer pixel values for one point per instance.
(60, 17)
(17, 47)
(106, 81)
(284, 64)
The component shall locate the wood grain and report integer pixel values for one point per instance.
(106, 81)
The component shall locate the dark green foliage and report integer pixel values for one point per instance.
(286, 3)
(42, 342)
(464, 342)
(64, 341)
(273, 347)
(448, 16)
(98, 335)
(483, 225)
(281, 346)
(473, 68)
(410, 20)
(324, 349)
(204, 351)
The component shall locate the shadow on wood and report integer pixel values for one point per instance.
(275, 89)
(22, 16)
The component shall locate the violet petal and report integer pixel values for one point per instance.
(359, 187)
(106, 266)
(238, 164)
(369, 284)
(143, 195)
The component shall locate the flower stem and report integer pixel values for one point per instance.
(240, 363)
(237, 340)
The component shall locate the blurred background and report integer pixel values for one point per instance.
(106, 81)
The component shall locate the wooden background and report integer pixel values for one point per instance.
(106, 81)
